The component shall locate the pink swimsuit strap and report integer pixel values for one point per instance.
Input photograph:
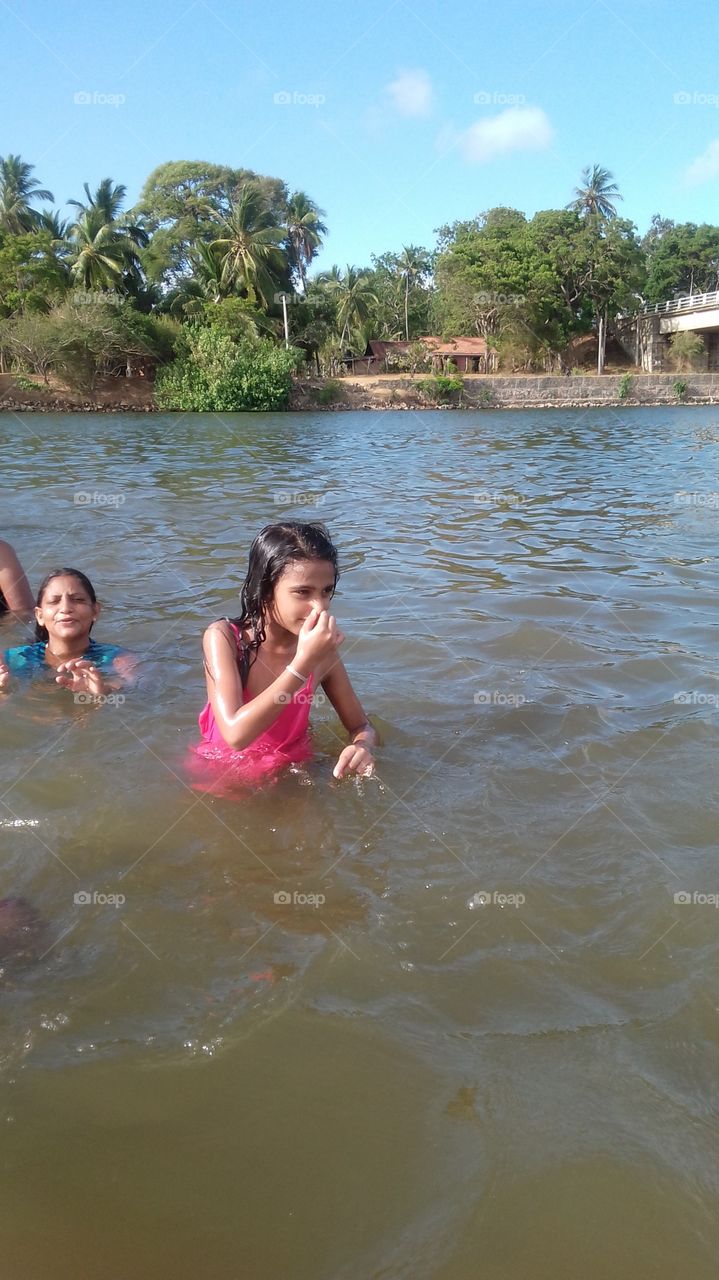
(289, 728)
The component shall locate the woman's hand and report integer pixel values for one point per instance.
(356, 758)
(81, 676)
(318, 640)
(4, 676)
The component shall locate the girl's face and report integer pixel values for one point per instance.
(302, 586)
(66, 609)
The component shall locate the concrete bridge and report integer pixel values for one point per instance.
(645, 335)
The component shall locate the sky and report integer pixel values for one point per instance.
(395, 116)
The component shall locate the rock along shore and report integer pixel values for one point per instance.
(398, 391)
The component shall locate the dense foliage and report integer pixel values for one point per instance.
(215, 374)
(201, 273)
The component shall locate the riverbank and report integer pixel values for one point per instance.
(392, 391)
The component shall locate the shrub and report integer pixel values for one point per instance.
(680, 388)
(330, 391)
(441, 389)
(686, 351)
(625, 383)
(215, 375)
(78, 341)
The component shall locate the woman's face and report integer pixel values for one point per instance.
(66, 609)
(302, 586)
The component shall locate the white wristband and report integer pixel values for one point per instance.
(297, 674)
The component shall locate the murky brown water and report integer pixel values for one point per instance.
(492, 1050)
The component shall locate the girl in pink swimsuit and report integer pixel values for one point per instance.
(263, 667)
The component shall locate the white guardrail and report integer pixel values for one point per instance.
(692, 302)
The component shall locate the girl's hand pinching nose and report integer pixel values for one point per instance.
(4, 675)
(319, 637)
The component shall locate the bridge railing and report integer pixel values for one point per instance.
(692, 302)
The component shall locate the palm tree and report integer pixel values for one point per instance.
(304, 233)
(108, 199)
(414, 263)
(104, 252)
(595, 196)
(17, 190)
(50, 220)
(105, 242)
(204, 284)
(249, 247)
(355, 298)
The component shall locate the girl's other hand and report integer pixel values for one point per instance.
(355, 759)
(318, 639)
(4, 675)
(81, 676)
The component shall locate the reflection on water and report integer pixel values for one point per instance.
(279, 1034)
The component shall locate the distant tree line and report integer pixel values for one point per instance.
(197, 279)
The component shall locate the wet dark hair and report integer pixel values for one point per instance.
(41, 632)
(274, 548)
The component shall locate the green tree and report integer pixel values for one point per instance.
(305, 229)
(32, 274)
(105, 243)
(681, 259)
(414, 267)
(355, 298)
(616, 273)
(482, 274)
(18, 190)
(182, 202)
(595, 197)
(103, 253)
(108, 200)
(217, 375)
(249, 247)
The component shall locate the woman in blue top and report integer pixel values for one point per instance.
(66, 610)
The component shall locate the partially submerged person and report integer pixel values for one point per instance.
(23, 931)
(15, 593)
(65, 612)
(263, 667)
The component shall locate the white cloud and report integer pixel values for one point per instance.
(412, 93)
(517, 129)
(706, 166)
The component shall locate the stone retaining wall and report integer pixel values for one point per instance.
(578, 391)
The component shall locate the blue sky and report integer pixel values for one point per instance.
(395, 116)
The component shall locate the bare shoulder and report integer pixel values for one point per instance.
(221, 627)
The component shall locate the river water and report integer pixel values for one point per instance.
(481, 1039)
